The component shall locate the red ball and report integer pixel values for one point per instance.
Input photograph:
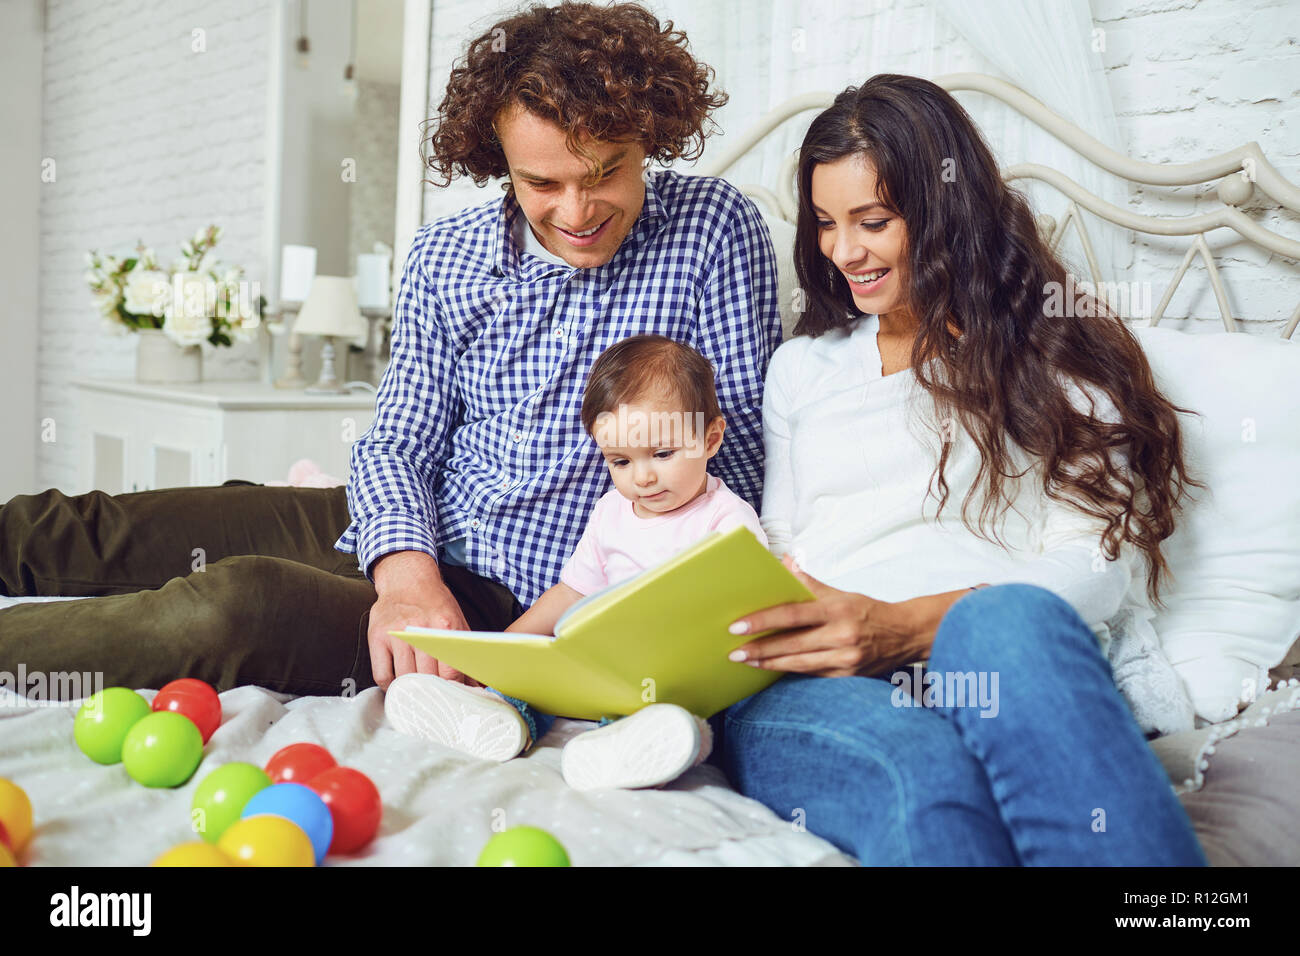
(194, 699)
(298, 763)
(354, 804)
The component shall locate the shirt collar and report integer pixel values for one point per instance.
(505, 257)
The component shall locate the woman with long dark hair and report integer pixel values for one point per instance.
(949, 699)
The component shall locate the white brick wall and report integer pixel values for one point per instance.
(1190, 80)
(153, 141)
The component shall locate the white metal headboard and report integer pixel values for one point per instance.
(1240, 172)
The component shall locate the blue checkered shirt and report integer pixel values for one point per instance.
(477, 431)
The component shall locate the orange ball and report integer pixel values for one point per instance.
(15, 815)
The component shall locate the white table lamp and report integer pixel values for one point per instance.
(330, 311)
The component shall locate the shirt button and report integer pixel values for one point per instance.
(505, 485)
(518, 436)
(474, 524)
(559, 331)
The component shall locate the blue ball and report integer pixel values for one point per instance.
(300, 805)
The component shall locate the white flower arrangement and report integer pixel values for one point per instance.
(188, 303)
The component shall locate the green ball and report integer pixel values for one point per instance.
(221, 797)
(162, 750)
(102, 723)
(523, 846)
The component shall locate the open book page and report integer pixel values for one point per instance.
(506, 636)
(532, 667)
(659, 637)
(594, 603)
(588, 601)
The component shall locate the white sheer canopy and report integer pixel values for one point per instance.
(1048, 48)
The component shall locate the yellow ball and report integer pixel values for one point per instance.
(15, 814)
(266, 840)
(197, 853)
(6, 858)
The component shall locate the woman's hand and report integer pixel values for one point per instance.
(841, 633)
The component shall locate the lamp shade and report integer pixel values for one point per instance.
(331, 309)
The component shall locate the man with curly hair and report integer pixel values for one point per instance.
(476, 478)
(477, 457)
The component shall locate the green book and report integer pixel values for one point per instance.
(660, 637)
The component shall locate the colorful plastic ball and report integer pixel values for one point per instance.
(162, 750)
(298, 763)
(523, 846)
(221, 796)
(267, 840)
(7, 857)
(4, 837)
(104, 720)
(196, 853)
(194, 699)
(15, 816)
(354, 805)
(301, 805)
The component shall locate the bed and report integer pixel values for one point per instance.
(1235, 769)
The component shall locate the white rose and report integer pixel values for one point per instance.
(106, 302)
(109, 320)
(146, 292)
(188, 317)
(245, 329)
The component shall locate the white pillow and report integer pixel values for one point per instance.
(1233, 605)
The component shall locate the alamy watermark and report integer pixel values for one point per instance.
(196, 296)
(50, 688)
(921, 688)
(636, 428)
(1083, 299)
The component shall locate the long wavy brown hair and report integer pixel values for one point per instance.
(611, 72)
(988, 295)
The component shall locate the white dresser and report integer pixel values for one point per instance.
(140, 437)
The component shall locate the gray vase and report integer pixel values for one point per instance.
(159, 360)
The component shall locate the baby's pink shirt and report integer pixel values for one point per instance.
(617, 544)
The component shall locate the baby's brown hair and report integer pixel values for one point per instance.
(646, 367)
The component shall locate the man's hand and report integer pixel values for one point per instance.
(411, 594)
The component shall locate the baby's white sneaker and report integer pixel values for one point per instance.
(652, 747)
(469, 719)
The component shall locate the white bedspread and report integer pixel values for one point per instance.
(440, 807)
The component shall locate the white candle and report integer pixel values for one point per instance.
(372, 281)
(297, 270)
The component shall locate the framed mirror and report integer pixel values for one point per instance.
(348, 90)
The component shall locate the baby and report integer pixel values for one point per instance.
(650, 406)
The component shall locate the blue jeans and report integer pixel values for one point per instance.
(1056, 773)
